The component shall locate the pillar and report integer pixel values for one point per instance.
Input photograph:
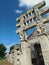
(26, 54)
(45, 48)
(17, 57)
(11, 58)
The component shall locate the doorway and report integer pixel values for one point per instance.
(38, 54)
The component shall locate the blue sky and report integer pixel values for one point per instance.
(9, 11)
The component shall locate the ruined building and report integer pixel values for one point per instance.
(34, 50)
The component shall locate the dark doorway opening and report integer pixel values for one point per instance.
(39, 55)
(36, 55)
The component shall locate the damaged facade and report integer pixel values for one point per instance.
(33, 50)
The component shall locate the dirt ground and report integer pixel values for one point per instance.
(5, 63)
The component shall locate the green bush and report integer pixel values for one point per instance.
(2, 51)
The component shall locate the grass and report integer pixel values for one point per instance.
(1, 59)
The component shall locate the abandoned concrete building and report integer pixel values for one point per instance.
(33, 50)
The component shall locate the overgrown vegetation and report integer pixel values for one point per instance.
(2, 51)
(12, 47)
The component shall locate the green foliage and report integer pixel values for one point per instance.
(12, 47)
(2, 51)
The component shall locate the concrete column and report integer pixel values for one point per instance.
(29, 22)
(17, 57)
(25, 17)
(11, 58)
(45, 48)
(26, 23)
(28, 15)
(32, 21)
(31, 13)
(8, 57)
(26, 54)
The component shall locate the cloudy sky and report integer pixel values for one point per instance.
(9, 11)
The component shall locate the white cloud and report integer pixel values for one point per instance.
(47, 2)
(19, 11)
(28, 3)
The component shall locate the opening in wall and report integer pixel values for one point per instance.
(38, 53)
